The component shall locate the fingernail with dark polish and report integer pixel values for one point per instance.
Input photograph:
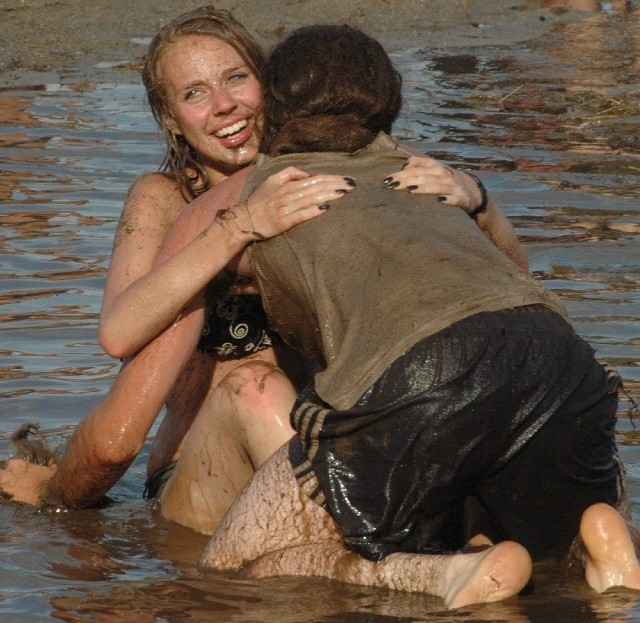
(350, 181)
(442, 198)
(387, 180)
(412, 188)
(393, 185)
(342, 191)
(324, 206)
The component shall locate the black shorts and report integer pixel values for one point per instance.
(509, 408)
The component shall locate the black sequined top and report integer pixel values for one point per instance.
(235, 326)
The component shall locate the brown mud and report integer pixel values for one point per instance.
(74, 41)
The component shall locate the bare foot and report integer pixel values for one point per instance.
(610, 556)
(491, 575)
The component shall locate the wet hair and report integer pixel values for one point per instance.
(180, 158)
(328, 88)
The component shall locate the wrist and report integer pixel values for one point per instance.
(484, 198)
(231, 220)
(50, 502)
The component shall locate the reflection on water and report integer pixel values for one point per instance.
(551, 125)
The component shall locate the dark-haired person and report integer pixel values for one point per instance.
(448, 375)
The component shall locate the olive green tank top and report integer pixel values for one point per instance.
(357, 286)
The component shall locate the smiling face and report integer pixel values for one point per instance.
(215, 102)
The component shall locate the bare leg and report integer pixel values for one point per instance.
(275, 524)
(270, 514)
(182, 406)
(242, 422)
(610, 558)
(459, 579)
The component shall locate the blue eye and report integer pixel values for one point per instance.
(191, 93)
(238, 76)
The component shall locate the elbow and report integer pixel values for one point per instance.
(108, 456)
(112, 342)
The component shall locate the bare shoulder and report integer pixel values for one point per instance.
(158, 188)
(153, 204)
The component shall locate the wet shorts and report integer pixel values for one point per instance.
(509, 408)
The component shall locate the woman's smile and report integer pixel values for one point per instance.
(215, 101)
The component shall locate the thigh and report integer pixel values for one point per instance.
(443, 419)
(241, 423)
(212, 469)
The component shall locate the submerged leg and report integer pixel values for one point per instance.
(276, 529)
(610, 556)
(271, 513)
(458, 579)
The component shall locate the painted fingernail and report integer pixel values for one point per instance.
(393, 185)
(342, 191)
(350, 181)
(387, 180)
(412, 188)
(324, 206)
(442, 198)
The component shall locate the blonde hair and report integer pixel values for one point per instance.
(181, 159)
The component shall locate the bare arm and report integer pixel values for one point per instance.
(109, 438)
(107, 441)
(152, 206)
(498, 229)
(142, 300)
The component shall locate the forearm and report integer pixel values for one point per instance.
(210, 232)
(82, 479)
(497, 227)
(101, 449)
(107, 440)
(160, 296)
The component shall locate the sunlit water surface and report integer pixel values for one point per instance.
(550, 125)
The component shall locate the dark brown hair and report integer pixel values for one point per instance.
(180, 158)
(328, 88)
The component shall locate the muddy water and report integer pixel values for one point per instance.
(550, 125)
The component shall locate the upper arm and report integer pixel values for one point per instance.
(152, 205)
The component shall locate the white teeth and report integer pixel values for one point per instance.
(232, 129)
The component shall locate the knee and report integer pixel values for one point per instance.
(256, 382)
